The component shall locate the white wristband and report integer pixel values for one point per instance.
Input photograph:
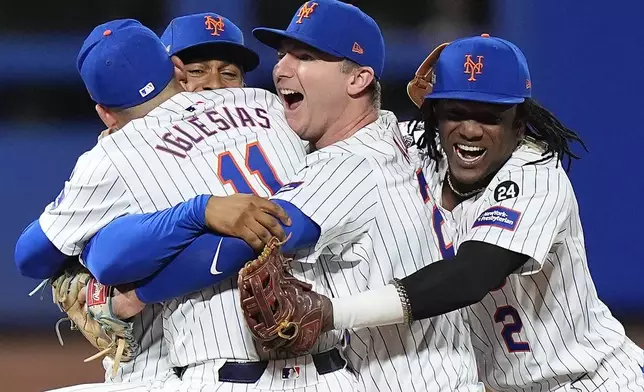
(372, 308)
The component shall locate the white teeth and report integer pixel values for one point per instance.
(469, 148)
(469, 159)
(286, 91)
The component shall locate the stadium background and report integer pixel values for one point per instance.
(587, 63)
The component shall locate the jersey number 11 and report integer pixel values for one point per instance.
(256, 163)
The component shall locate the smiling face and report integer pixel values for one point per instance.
(477, 138)
(312, 87)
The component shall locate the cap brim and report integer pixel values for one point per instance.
(476, 97)
(247, 58)
(274, 38)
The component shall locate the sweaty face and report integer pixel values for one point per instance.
(477, 138)
(212, 74)
(312, 88)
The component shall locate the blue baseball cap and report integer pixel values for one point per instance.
(482, 69)
(208, 28)
(335, 28)
(124, 64)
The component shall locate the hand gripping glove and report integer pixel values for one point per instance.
(94, 319)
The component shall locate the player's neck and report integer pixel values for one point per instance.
(173, 88)
(449, 199)
(346, 126)
(455, 192)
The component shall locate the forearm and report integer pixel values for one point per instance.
(35, 256)
(461, 281)
(358, 310)
(211, 258)
(205, 262)
(134, 247)
(435, 289)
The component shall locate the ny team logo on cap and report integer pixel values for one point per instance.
(216, 25)
(305, 11)
(473, 68)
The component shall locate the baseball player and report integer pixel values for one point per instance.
(211, 61)
(120, 174)
(346, 221)
(496, 176)
(212, 50)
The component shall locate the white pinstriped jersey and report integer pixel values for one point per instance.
(214, 142)
(363, 192)
(152, 361)
(545, 327)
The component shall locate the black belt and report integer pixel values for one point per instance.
(251, 372)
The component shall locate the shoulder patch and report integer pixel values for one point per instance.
(506, 190)
(289, 187)
(497, 216)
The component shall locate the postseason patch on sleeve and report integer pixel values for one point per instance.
(501, 217)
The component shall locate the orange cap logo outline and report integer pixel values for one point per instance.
(305, 11)
(216, 25)
(473, 68)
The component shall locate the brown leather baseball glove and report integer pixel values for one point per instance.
(282, 312)
(423, 81)
(93, 318)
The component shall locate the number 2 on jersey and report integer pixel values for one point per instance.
(513, 326)
(256, 163)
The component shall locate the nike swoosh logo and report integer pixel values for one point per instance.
(213, 267)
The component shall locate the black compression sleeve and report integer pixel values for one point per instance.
(447, 285)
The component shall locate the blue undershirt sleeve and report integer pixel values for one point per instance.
(210, 258)
(35, 256)
(134, 247)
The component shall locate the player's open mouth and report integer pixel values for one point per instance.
(292, 98)
(469, 154)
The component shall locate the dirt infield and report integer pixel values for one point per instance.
(33, 362)
(36, 361)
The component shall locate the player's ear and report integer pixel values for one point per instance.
(359, 80)
(107, 117)
(179, 70)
